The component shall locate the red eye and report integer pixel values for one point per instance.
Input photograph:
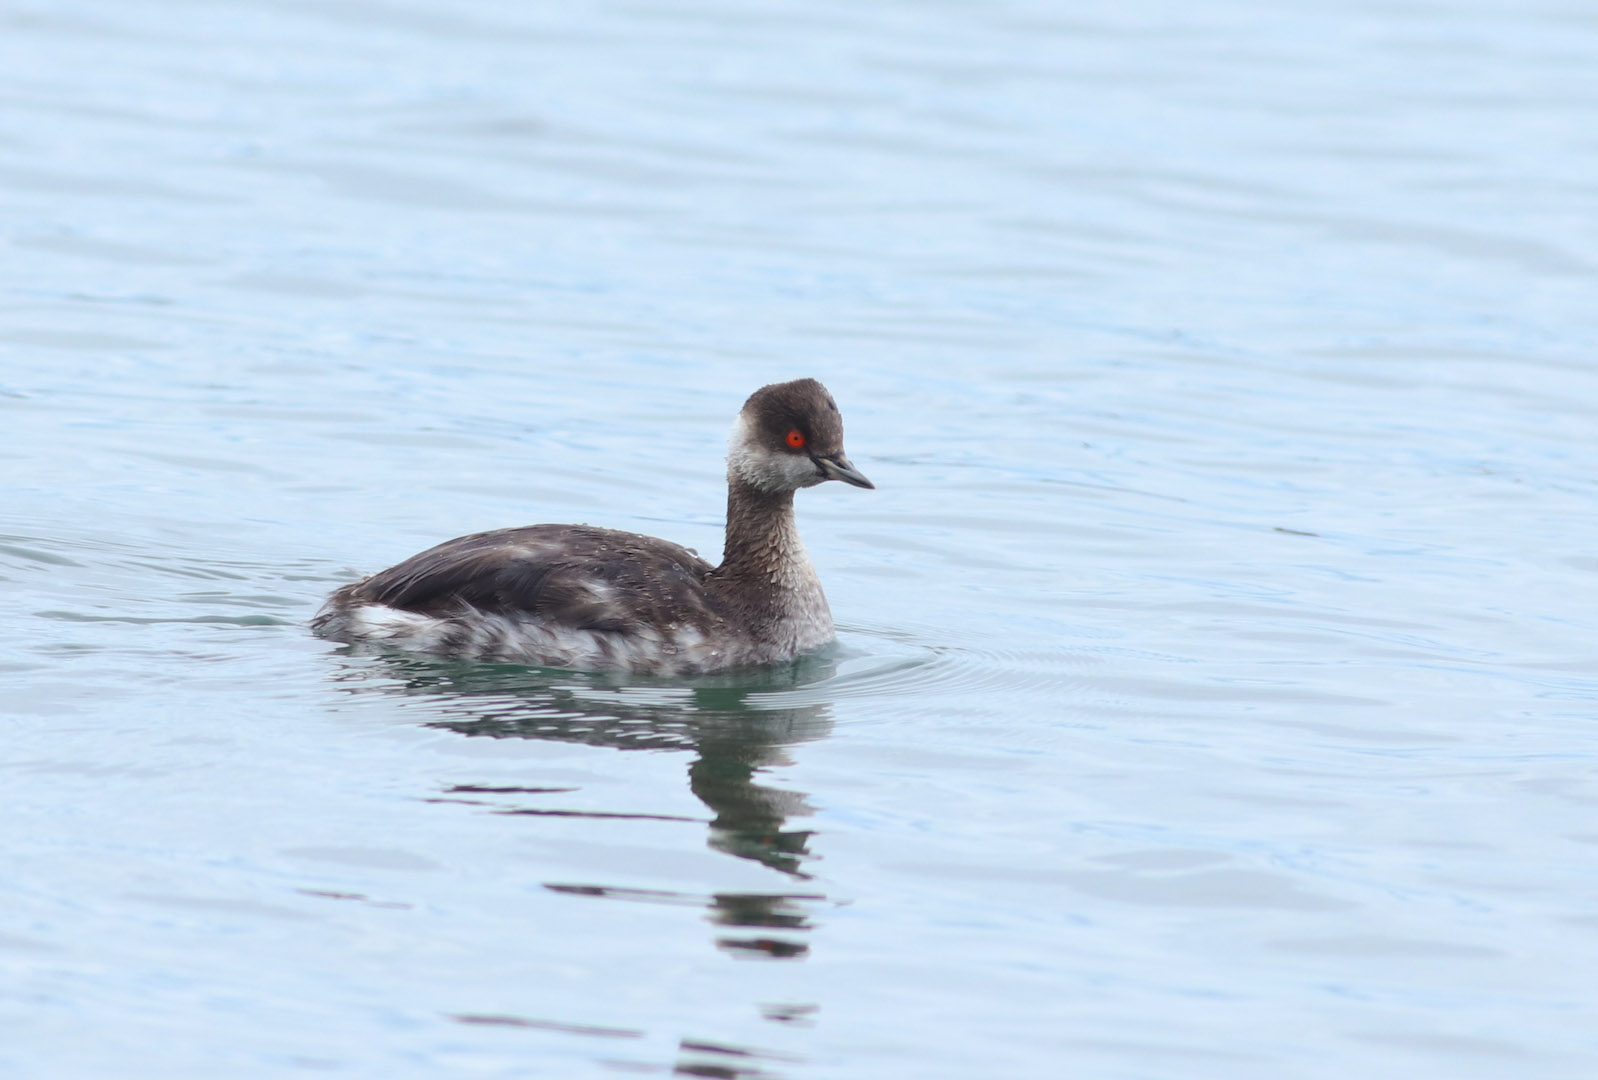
(796, 438)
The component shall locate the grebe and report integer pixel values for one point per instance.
(575, 596)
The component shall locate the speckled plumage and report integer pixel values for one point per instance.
(597, 599)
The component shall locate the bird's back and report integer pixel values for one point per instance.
(561, 595)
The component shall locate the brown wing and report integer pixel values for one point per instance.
(574, 575)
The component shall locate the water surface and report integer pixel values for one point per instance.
(1215, 687)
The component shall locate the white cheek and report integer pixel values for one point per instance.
(742, 462)
(768, 470)
(799, 471)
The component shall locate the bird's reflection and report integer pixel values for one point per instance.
(733, 725)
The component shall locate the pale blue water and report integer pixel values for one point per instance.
(1217, 681)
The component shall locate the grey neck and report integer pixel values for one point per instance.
(765, 578)
(762, 542)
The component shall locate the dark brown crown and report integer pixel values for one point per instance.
(802, 405)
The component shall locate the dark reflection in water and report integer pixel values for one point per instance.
(733, 725)
(698, 1058)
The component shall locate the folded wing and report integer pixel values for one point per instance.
(568, 575)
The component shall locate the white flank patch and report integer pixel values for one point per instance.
(481, 636)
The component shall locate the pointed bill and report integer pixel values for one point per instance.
(838, 467)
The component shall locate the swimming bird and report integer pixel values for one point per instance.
(577, 596)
